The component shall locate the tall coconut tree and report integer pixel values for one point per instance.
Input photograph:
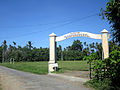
(30, 45)
(4, 47)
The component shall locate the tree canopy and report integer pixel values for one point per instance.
(112, 13)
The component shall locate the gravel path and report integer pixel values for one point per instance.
(11, 79)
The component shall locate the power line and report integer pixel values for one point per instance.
(61, 25)
(31, 33)
(42, 24)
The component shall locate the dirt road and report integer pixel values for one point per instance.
(11, 79)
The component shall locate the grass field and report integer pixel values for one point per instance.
(33, 67)
(42, 67)
(0, 87)
(73, 66)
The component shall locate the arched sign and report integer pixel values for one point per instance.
(104, 36)
(78, 34)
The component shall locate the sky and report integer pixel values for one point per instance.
(34, 20)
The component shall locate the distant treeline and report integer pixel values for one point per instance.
(77, 51)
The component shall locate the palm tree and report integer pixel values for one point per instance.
(86, 49)
(14, 43)
(4, 50)
(29, 45)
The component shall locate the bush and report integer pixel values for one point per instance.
(106, 72)
(113, 62)
(100, 85)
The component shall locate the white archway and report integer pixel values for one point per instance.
(104, 36)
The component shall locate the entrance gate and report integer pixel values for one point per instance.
(52, 64)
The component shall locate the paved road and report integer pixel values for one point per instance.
(11, 79)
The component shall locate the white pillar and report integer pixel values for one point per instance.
(105, 45)
(52, 52)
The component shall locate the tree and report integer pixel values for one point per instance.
(113, 46)
(92, 47)
(112, 13)
(73, 52)
(77, 45)
(30, 45)
(14, 43)
(4, 50)
(0, 54)
(11, 50)
(86, 51)
(98, 47)
(59, 53)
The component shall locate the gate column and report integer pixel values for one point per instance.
(52, 52)
(105, 44)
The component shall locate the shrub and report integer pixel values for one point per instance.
(100, 85)
(107, 71)
(113, 62)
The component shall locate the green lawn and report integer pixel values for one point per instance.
(42, 67)
(0, 87)
(33, 67)
(73, 66)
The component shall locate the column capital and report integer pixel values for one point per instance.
(104, 31)
(52, 35)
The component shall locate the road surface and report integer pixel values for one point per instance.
(11, 79)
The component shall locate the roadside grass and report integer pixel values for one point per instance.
(72, 66)
(106, 84)
(42, 67)
(0, 87)
(32, 67)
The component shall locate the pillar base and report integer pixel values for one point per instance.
(52, 66)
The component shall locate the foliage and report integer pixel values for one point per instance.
(77, 51)
(112, 13)
(100, 85)
(113, 46)
(26, 53)
(108, 69)
(111, 66)
(113, 62)
(77, 46)
(0, 54)
(4, 50)
(73, 52)
(91, 57)
(105, 72)
(72, 55)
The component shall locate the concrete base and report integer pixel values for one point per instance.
(52, 67)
